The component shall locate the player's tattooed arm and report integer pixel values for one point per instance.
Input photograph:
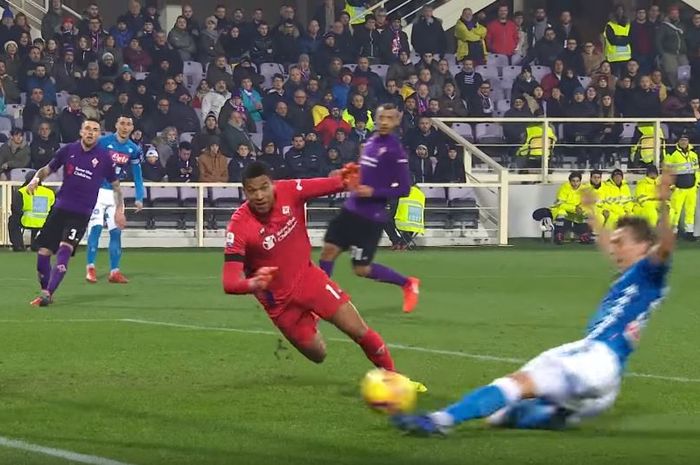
(666, 239)
(118, 195)
(39, 176)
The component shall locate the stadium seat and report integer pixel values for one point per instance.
(539, 72)
(463, 208)
(464, 130)
(510, 73)
(350, 66)
(62, 100)
(507, 91)
(188, 200)
(450, 57)
(55, 177)
(516, 59)
(496, 59)
(23, 98)
(489, 133)
(134, 220)
(487, 71)
(267, 70)
(585, 81)
(503, 105)
(166, 198)
(684, 73)
(5, 125)
(18, 174)
(140, 76)
(627, 134)
(381, 70)
(455, 68)
(415, 57)
(436, 213)
(223, 201)
(186, 136)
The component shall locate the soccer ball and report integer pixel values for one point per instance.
(388, 392)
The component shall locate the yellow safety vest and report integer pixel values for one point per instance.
(618, 53)
(35, 208)
(355, 12)
(410, 212)
(644, 149)
(534, 142)
(685, 166)
(348, 118)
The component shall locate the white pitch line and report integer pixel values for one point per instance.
(71, 320)
(59, 453)
(491, 358)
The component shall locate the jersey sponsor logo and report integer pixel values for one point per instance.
(82, 173)
(286, 210)
(229, 239)
(273, 239)
(120, 158)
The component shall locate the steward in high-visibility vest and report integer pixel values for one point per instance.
(534, 142)
(36, 208)
(356, 8)
(568, 212)
(684, 163)
(617, 39)
(615, 198)
(595, 186)
(646, 196)
(410, 212)
(348, 118)
(643, 151)
(28, 212)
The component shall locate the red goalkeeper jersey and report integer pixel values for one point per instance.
(279, 239)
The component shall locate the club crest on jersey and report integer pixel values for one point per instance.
(268, 242)
(95, 162)
(229, 239)
(286, 210)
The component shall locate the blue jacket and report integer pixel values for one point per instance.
(45, 84)
(340, 95)
(278, 130)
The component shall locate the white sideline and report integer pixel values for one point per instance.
(452, 353)
(59, 453)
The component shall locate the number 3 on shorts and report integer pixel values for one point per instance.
(72, 234)
(333, 292)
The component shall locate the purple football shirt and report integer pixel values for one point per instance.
(83, 174)
(383, 166)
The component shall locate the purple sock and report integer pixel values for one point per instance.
(326, 266)
(385, 274)
(59, 271)
(43, 269)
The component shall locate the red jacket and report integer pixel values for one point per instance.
(502, 38)
(328, 126)
(549, 82)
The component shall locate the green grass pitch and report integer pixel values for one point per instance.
(195, 380)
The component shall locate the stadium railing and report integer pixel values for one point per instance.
(196, 214)
(485, 136)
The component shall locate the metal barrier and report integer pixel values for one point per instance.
(456, 214)
(472, 142)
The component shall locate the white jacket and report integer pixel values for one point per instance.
(214, 102)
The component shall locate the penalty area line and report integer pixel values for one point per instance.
(58, 453)
(451, 353)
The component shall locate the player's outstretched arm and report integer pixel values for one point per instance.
(588, 201)
(340, 181)
(666, 239)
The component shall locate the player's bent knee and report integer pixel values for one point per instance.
(316, 354)
(45, 252)
(330, 252)
(66, 244)
(512, 388)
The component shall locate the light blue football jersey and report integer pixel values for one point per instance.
(625, 310)
(122, 155)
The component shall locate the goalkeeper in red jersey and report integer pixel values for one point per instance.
(267, 241)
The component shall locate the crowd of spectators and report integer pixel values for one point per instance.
(222, 88)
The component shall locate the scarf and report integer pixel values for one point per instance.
(422, 104)
(395, 42)
(470, 24)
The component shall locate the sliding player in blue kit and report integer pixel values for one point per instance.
(581, 379)
(124, 152)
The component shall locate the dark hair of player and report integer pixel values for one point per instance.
(640, 228)
(91, 120)
(125, 115)
(255, 170)
(387, 106)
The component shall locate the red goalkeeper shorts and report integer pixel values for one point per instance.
(316, 297)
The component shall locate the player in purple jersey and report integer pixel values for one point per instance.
(85, 167)
(384, 175)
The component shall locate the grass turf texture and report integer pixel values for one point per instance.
(150, 395)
